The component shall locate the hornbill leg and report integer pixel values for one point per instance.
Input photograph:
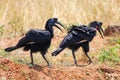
(31, 55)
(45, 59)
(90, 61)
(75, 61)
(85, 47)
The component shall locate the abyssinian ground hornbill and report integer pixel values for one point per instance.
(80, 36)
(37, 40)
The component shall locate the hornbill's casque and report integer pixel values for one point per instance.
(37, 40)
(80, 36)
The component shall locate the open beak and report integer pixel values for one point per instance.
(58, 26)
(100, 30)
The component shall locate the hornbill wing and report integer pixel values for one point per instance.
(85, 33)
(69, 40)
(66, 41)
(32, 36)
(38, 36)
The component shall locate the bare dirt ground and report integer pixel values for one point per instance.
(13, 71)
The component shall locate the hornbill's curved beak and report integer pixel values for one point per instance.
(100, 30)
(58, 26)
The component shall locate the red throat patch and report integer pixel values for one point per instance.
(96, 27)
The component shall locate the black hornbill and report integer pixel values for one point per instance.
(37, 40)
(80, 36)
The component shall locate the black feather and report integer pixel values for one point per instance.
(78, 36)
(37, 40)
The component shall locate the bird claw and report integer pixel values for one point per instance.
(48, 66)
(90, 62)
(75, 64)
(30, 64)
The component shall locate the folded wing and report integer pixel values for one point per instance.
(84, 33)
(40, 36)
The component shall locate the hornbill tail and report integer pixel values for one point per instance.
(9, 49)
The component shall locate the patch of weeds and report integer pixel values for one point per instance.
(110, 55)
(69, 26)
(4, 67)
(3, 53)
(118, 41)
(30, 65)
(18, 61)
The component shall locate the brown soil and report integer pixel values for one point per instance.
(13, 71)
(10, 70)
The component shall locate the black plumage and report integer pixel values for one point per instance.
(37, 40)
(79, 36)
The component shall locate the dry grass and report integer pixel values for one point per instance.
(18, 16)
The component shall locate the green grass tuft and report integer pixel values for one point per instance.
(3, 53)
(110, 55)
(4, 67)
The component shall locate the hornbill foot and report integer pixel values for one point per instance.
(75, 64)
(30, 64)
(48, 66)
(90, 62)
